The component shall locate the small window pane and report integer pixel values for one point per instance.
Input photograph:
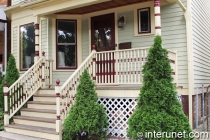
(27, 45)
(144, 20)
(66, 32)
(66, 56)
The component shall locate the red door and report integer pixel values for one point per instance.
(103, 37)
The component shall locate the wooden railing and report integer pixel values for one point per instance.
(24, 88)
(106, 68)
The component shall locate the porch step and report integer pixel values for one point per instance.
(42, 105)
(35, 121)
(45, 97)
(34, 131)
(11, 136)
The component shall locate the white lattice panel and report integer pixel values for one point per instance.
(118, 111)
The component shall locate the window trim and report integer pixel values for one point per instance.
(138, 18)
(20, 50)
(56, 54)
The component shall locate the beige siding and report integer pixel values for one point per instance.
(44, 39)
(85, 39)
(201, 41)
(15, 45)
(173, 35)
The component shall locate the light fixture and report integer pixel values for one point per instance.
(121, 21)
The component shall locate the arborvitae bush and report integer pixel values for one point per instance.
(12, 74)
(87, 118)
(158, 107)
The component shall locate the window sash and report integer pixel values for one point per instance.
(139, 20)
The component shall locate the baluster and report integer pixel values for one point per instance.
(10, 94)
(18, 94)
(13, 99)
(121, 68)
(51, 62)
(100, 66)
(142, 62)
(6, 116)
(105, 68)
(21, 92)
(129, 69)
(110, 68)
(116, 64)
(135, 61)
(43, 70)
(125, 70)
(94, 70)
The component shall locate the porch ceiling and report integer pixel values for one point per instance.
(101, 6)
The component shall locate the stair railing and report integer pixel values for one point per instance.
(24, 88)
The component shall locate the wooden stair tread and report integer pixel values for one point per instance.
(39, 110)
(41, 102)
(117, 88)
(49, 120)
(44, 95)
(33, 128)
(44, 102)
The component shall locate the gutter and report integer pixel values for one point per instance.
(188, 19)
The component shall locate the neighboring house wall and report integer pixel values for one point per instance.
(201, 41)
(3, 2)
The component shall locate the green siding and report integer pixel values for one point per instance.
(44, 39)
(85, 39)
(15, 45)
(201, 41)
(173, 35)
(61, 75)
(50, 39)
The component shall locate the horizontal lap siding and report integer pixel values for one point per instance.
(173, 35)
(15, 45)
(50, 39)
(85, 39)
(61, 75)
(44, 39)
(201, 41)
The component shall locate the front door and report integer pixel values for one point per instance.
(103, 37)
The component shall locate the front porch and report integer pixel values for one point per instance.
(74, 37)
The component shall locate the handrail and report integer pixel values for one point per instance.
(21, 77)
(25, 87)
(76, 71)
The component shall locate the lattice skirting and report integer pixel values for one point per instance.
(118, 111)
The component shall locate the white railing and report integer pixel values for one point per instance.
(24, 88)
(106, 68)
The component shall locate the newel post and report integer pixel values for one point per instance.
(36, 58)
(58, 108)
(94, 63)
(43, 70)
(6, 116)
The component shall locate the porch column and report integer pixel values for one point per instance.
(36, 58)
(157, 17)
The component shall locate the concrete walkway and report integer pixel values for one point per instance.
(11, 136)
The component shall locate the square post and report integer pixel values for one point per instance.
(6, 116)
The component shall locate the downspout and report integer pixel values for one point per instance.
(188, 19)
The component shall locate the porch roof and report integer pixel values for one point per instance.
(101, 6)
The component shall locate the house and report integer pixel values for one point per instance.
(53, 41)
(4, 37)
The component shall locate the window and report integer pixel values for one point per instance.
(144, 25)
(27, 46)
(66, 44)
